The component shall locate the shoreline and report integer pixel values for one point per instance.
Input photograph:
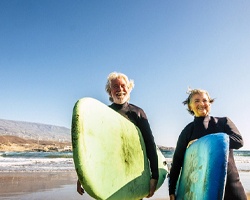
(62, 185)
(54, 178)
(10, 143)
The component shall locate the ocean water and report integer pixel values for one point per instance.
(36, 161)
(241, 157)
(63, 161)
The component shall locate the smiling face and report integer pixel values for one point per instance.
(200, 104)
(120, 91)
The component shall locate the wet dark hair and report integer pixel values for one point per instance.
(191, 93)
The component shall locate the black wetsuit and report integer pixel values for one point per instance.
(139, 118)
(202, 126)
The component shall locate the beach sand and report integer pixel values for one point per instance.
(62, 185)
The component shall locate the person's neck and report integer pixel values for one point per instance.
(121, 104)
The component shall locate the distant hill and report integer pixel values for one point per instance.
(36, 131)
(20, 134)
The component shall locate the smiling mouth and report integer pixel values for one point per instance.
(201, 109)
(120, 94)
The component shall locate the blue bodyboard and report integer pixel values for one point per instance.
(203, 174)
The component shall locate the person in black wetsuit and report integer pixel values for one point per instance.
(199, 103)
(118, 87)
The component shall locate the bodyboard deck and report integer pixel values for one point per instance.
(204, 169)
(109, 153)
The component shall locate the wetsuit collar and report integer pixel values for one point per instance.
(119, 106)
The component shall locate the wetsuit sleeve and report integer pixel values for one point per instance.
(148, 138)
(178, 158)
(236, 140)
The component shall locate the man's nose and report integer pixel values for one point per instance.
(119, 87)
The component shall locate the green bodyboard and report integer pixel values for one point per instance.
(109, 153)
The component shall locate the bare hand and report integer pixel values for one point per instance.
(172, 197)
(80, 189)
(153, 184)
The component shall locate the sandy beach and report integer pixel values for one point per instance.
(35, 178)
(47, 185)
(61, 185)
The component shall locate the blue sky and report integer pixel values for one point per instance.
(56, 52)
